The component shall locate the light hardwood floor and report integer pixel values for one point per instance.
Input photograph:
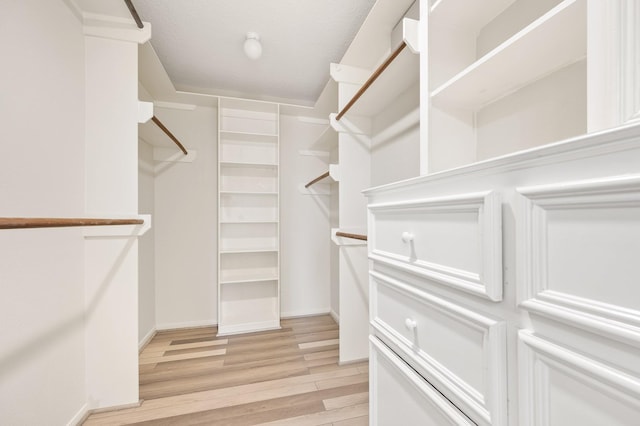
(282, 377)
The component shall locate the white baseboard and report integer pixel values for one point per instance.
(146, 339)
(187, 324)
(80, 416)
(335, 316)
(302, 314)
(249, 327)
(352, 361)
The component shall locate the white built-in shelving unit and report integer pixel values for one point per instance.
(529, 113)
(502, 76)
(248, 216)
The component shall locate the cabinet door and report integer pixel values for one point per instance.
(559, 386)
(400, 396)
(579, 245)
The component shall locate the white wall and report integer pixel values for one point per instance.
(395, 144)
(42, 346)
(304, 223)
(185, 223)
(146, 245)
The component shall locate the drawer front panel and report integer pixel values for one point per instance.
(462, 353)
(455, 241)
(561, 387)
(436, 237)
(400, 396)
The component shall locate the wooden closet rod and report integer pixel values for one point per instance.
(319, 178)
(173, 138)
(371, 79)
(354, 236)
(134, 14)
(54, 222)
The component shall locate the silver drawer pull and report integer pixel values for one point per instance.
(410, 324)
(407, 237)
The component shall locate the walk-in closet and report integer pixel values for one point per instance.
(363, 212)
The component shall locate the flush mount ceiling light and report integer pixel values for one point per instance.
(252, 46)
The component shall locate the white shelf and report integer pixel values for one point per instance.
(248, 193)
(247, 164)
(397, 78)
(249, 250)
(248, 276)
(244, 222)
(472, 15)
(248, 136)
(250, 280)
(553, 41)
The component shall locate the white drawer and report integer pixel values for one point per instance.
(400, 396)
(461, 352)
(455, 241)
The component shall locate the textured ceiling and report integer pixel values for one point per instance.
(199, 42)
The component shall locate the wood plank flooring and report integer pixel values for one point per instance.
(281, 377)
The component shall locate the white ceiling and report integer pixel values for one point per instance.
(199, 43)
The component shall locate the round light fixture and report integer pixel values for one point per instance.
(252, 46)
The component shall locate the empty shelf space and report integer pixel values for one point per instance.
(553, 41)
(249, 118)
(248, 179)
(245, 237)
(248, 136)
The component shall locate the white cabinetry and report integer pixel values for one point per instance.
(560, 344)
(505, 278)
(248, 216)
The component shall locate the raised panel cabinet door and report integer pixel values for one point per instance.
(578, 248)
(559, 386)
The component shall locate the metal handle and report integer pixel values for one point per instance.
(407, 237)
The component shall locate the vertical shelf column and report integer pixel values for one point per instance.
(354, 145)
(248, 216)
(111, 258)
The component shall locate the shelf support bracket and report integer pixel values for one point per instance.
(348, 74)
(145, 111)
(411, 34)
